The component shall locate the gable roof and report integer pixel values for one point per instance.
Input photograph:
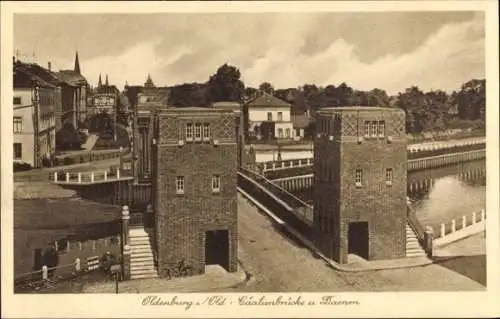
(72, 78)
(39, 72)
(267, 100)
(22, 78)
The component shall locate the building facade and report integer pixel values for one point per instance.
(360, 183)
(34, 123)
(80, 90)
(195, 195)
(268, 117)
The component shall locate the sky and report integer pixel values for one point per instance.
(391, 50)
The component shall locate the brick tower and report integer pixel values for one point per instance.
(360, 183)
(195, 194)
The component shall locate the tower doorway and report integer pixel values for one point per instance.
(217, 248)
(358, 240)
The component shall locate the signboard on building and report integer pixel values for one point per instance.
(103, 102)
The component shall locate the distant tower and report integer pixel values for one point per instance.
(149, 82)
(99, 84)
(107, 82)
(77, 63)
(360, 183)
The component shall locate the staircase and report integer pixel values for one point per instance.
(142, 261)
(413, 248)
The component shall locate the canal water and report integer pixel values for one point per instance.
(455, 191)
(443, 194)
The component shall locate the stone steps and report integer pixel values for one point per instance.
(142, 264)
(413, 248)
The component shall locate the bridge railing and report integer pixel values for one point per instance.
(299, 207)
(88, 177)
(460, 228)
(412, 149)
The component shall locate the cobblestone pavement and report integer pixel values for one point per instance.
(215, 278)
(471, 246)
(279, 264)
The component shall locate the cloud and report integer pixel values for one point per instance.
(289, 50)
(451, 56)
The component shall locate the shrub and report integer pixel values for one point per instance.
(68, 138)
(46, 162)
(21, 166)
(107, 260)
(68, 161)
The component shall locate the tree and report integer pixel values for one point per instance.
(413, 101)
(471, 100)
(225, 85)
(377, 97)
(250, 93)
(122, 115)
(266, 87)
(189, 94)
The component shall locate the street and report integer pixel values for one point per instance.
(279, 264)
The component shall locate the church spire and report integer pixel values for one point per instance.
(99, 84)
(107, 82)
(77, 63)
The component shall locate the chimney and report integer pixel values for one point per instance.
(49, 66)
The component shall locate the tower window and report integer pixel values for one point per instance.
(373, 132)
(189, 132)
(359, 178)
(381, 128)
(179, 184)
(197, 131)
(206, 132)
(367, 128)
(388, 176)
(216, 183)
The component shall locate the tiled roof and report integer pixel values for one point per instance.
(71, 77)
(267, 100)
(25, 79)
(39, 72)
(107, 89)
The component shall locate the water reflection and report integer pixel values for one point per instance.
(440, 195)
(450, 198)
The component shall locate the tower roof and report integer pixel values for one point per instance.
(149, 82)
(77, 63)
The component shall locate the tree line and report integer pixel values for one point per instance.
(425, 111)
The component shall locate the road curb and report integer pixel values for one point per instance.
(311, 247)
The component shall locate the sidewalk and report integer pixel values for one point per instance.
(215, 278)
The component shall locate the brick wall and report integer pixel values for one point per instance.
(182, 220)
(337, 199)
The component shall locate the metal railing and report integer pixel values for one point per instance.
(298, 206)
(304, 162)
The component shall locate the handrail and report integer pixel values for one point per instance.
(415, 224)
(294, 204)
(266, 182)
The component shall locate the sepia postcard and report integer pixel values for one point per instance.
(250, 159)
